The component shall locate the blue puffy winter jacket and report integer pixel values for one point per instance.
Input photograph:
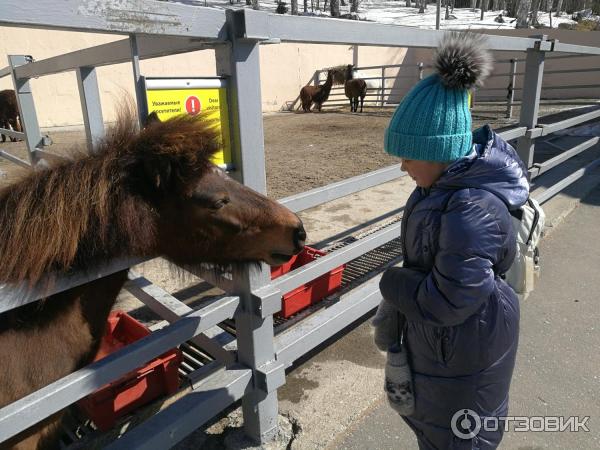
(462, 318)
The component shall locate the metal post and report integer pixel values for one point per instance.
(510, 97)
(530, 99)
(138, 81)
(438, 13)
(28, 116)
(91, 108)
(382, 86)
(420, 67)
(255, 334)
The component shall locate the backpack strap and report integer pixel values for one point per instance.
(536, 219)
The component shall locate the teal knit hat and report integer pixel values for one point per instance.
(433, 121)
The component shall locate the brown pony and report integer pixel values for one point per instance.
(9, 112)
(140, 194)
(316, 94)
(354, 88)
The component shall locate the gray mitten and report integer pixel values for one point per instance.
(398, 381)
(388, 323)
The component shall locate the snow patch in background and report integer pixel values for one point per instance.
(396, 13)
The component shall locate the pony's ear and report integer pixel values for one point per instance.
(158, 173)
(151, 119)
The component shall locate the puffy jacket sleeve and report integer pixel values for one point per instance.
(462, 277)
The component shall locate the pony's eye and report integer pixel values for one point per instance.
(220, 203)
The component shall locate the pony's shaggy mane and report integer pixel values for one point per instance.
(100, 205)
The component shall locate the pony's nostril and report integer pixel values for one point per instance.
(299, 237)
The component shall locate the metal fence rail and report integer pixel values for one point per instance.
(388, 96)
(251, 367)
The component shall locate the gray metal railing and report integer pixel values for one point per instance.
(252, 367)
(388, 96)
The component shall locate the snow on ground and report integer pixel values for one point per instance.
(395, 12)
(391, 12)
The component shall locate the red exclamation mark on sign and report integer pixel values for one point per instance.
(192, 105)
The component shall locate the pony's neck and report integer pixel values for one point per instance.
(130, 232)
(71, 217)
(349, 73)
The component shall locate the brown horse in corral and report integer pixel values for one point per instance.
(9, 112)
(354, 88)
(141, 194)
(316, 94)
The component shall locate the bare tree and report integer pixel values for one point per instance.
(294, 7)
(512, 7)
(484, 7)
(422, 6)
(535, 8)
(335, 8)
(408, 5)
(473, 5)
(522, 12)
(354, 6)
(255, 4)
(558, 8)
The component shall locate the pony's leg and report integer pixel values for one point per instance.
(362, 99)
(12, 127)
(3, 125)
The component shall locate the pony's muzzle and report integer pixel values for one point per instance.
(299, 238)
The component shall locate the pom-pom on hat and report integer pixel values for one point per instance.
(433, 121)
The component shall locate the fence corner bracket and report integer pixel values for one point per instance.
(270, 376)
(266, 301)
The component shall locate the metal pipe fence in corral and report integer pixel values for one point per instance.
(384, 95)
(257, 368)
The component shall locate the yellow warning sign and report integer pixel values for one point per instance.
(169, 102)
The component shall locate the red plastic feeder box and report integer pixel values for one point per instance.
(311, 292)
(137, 388)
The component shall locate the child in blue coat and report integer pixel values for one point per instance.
(460, 320)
